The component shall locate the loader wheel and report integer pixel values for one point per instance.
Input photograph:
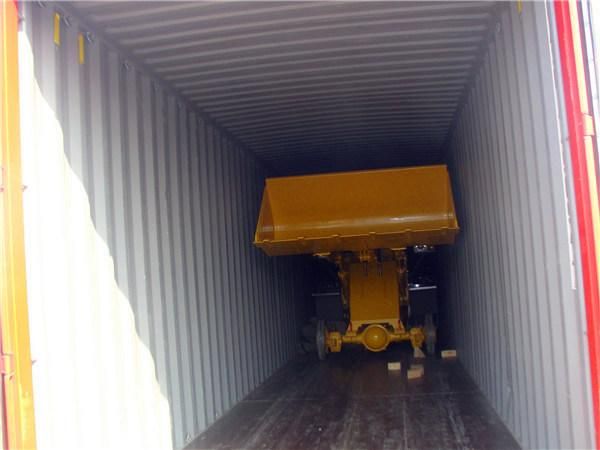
(430, 334)
(321, 340)
(430, 347)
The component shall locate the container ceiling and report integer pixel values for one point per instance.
(312, 86)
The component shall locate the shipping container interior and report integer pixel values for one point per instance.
(148, 130)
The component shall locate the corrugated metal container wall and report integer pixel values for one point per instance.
(311, 86)
(515, 294)
(149, 306)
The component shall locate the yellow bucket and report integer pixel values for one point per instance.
(354, 211)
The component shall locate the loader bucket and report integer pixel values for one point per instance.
(354, 211)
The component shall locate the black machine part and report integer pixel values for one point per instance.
(423, 299)
(328, 306)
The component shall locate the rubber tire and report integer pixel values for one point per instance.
(320, 340)
(430, 348)
(430, 335)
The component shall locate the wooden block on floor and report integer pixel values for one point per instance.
(446, 354)
(396, 365)
(417, 366)
(415, 372)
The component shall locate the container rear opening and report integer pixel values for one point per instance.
(156, 126)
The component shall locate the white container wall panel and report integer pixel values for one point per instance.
(513, 279)
(151, 312)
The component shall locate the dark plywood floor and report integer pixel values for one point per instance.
(351, 401)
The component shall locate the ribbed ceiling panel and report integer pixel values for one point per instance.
(312, 86)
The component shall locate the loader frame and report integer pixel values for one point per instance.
(374, 288)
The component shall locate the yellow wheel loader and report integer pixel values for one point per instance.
(363, 222)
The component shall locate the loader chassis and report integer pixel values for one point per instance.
(374, 287)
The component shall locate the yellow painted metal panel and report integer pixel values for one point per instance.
(355, 211)
(374, 292)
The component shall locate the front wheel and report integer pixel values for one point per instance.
(430, 334)
(430, 347)
(321, 340)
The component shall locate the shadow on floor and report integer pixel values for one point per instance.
(351, 401)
